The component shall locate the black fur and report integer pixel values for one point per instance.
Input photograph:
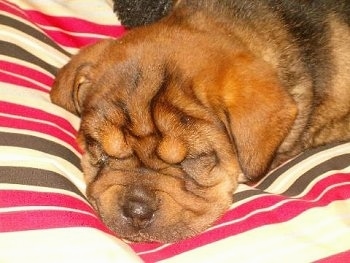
(133, 13)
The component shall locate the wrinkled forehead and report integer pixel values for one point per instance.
(146, 99)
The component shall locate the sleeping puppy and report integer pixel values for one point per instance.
(175, 114)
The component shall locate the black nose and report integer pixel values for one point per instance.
(139, 207)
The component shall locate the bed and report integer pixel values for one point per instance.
(299, 212)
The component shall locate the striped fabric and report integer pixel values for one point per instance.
(298, 213)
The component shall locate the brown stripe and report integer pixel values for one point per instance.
(25, 28)
(36, 177)
(334, 164)
(300, 184)
(268, 180)
(39, 144)
(12, 50)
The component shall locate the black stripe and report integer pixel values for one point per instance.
(12, 50)
(36, 177)
(268, 180)
(25, 28)
(39, 144)
(300, 184)
(336, 163)
(246, 194)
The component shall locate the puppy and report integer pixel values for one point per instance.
(175, 114)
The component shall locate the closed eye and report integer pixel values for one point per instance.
(200, 168)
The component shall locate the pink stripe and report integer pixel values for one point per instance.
(75, 24)
(27, 72)
(272, 199)
(339, 258)
(14, 198)
(70, 24)
(282, 213)
(12, 9)
(26, 111)
(6, 78)
(38, 127)
(70, 40)
(47, 219)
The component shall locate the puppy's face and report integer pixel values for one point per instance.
(168, 128)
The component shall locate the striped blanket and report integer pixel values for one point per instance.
(298, 213)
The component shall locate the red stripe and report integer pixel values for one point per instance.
(272, 199)
(58, 24)
(29, 112)
(75, 24)
(12, 9)
(278, 214)
(47, 219)
(27, 72)
(15, 198)
(339, 258)
(70, 40)
(7, 78)
(70, 24)
(38, 127)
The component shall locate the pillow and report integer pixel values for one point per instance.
(44, 215)
(298, 213)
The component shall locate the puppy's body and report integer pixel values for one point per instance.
(174, 113)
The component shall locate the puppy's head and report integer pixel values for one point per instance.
(170, 120)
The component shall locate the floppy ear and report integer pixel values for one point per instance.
(74, 80)
(259, 112)
(71, 87)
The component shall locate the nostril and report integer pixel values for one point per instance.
(139, 207)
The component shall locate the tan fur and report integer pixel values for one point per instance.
(176, 113)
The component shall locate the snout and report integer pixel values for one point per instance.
(138, 206)
(141, 205)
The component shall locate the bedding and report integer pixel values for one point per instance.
(300, 212)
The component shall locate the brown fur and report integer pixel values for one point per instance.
(176, 113)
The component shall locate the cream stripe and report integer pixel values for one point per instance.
(74, 244)
(320, 178)
(74, 34)
(41, 135)
(41, 189)
(32, 45)
(18, 18)
(35, 99)
(43, 208)
(285, 180)
(315, 234)
(279, 204)
(22, 157)
(48, 88)
(98, 11)
(39, 121)
(30, 65)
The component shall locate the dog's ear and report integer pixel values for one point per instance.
(74, 80)
(258, 113)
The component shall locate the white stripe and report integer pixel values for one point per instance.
(64, 245)
(22, 157)
(30, 65)
(315, 234)
(97, 11)
(43, 136)
(38, 121)
(285, 180)
(32, 45)
(74, 34)
(36, 99)
(48, 88)
(279, 204)
(15, 209)
(41, 189)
